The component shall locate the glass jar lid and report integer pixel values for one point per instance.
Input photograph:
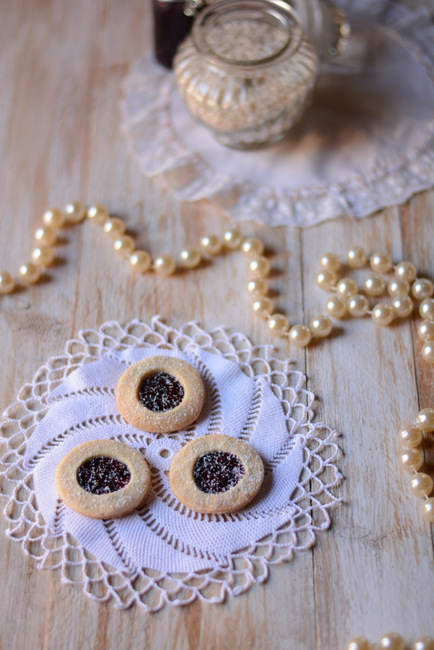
(247, 33)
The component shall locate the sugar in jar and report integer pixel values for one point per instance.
(247, 70)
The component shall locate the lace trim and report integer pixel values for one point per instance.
(305, 513)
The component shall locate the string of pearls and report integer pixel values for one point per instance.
(350, 300)
(391, 641)
(411, 460)
(140, 260)
(45, 237)
(165, 265)
(421, 485)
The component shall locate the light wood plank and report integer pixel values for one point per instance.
(60, 139)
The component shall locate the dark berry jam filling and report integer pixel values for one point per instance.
(160, 392)
(103, 475)
(217, 471)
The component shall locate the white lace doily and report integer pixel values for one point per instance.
(367, 141)
(163, 552)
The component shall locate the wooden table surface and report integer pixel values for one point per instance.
(62, 64)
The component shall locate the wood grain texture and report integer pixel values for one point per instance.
(61, 66)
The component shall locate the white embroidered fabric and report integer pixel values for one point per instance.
(367, 141)
(163, 552)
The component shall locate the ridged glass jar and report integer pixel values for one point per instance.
(246, 71)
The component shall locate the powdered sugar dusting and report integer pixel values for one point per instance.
(160, 392)
(217, 471)
(103, 475)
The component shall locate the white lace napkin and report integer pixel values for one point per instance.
(366, 142)
(163, 552)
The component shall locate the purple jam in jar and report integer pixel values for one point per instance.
(171, 26)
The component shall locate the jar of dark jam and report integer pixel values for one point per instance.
(172, 23)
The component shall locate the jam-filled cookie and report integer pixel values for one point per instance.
(103, 479)
(216, 474)
(160, 394)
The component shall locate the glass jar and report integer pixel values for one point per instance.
(246, 71)
(325, 25)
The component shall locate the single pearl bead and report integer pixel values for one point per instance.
(358, 305)
(97, 213)
(321, 326)
(405, 271)
(424, 643)
(357, 257)
(326, 280)
(211, 244)
(428, 510)
(232, 239)
(258, 288)
(335, 307)
(30, 272)
(259, 267)
(374, 285)
(425, 330)
(425, 419)
(380, 262)
(421, 484)
(114, 227)
(402, 307)
(190, 258)
(140, 261)
(428, 352)
(46, 236)
(279, 324)
(330, 261)
(410, 437)
(426, 308)
(124, 245)
(263, 307)
(252, 246)
(359, 643)
(382, 314)
(165, 265)
(411, 459)
(422, 288)
(391, 641)
(300, 335)
(398, 288)
(54, 217)
(75, 212)
(7, 282)
(346, 288)
(43, 255)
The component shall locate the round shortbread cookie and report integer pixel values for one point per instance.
(103, 479)
(160, 394)
(216, 474)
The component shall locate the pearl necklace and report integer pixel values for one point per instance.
(391, 641)
(346, 301)
(411, 460)
(165, 265)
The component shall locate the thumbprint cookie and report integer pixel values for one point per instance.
(216, 474)
(103, 479)
(160, 394)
